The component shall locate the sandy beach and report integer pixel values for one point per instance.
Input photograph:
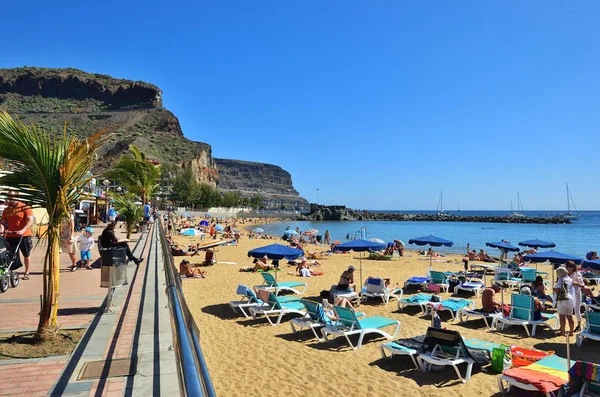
(250, 357)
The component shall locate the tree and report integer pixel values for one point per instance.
(128, 210)
(231, 199)
(209, 196)
(137, 174)
(186, 189)
(50, 172)
(256, 202)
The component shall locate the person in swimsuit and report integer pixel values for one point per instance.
(347, 279)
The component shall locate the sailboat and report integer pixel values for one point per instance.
(440, 210)
(569, 215)
(517, 214)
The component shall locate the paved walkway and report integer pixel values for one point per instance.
(137, 326)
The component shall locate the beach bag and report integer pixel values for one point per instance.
(435, 298)
(563, 294)
(501, 358)
(434, 287)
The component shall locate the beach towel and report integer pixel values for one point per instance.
(470, 284)
(263, 295)
(417, 298)
(416, 280)
(543, 381)
(585, 371)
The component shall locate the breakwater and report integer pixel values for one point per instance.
(341, 213)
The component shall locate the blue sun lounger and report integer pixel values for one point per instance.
(349, 324)
(271, 284)
(249, 299)
(419, 300)
(316, 318)
(275, 308)
(521, 313)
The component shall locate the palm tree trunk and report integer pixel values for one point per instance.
(49, 297)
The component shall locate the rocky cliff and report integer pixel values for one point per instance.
(133, 112)
(271, 182)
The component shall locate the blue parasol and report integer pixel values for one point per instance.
(536, 243)
(433, 241)
(592, 264)
(276, 252)
(204, 222)
(219, 228)
(291, 232)
(554, 257)
(359, 246)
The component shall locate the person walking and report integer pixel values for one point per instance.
(578, 284)
(15, 223)
(565, 303)
(112, 214)
(108, 239)
(86, 244)
(67, 239)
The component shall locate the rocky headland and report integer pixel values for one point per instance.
(133, 112)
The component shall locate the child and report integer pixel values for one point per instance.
(86, 243)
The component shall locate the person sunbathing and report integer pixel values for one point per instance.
(339, 301)
(347, 280)
(539, 290)
(472, 255)
(431, 253)
(484, 257)
(388, 285)
(488, 301)
(209, 258)
(262, 264)
(186, 269)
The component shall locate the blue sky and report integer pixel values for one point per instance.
(378, 105)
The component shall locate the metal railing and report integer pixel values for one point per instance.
(194, 379)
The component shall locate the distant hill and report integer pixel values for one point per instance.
(132, 110)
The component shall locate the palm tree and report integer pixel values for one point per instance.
(50, 172)
(137, 174)
(128, 210)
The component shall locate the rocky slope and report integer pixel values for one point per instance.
(271, 182)
(133, 112)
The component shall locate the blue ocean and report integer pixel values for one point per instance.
(578, 238)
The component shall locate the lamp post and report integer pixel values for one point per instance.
(106, 184)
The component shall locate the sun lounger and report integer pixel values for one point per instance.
(451, 305)
(416, 281)
(416, 300)
(349, 325)
(439, 278)
(448, 348)
(471, 286)
(249, 299)
(592, 277)
(270, 284)
(316, 318)
(547, 376)
(275, 307)
(375, 288)
(588, 376)
(488, 318)
(403, 347)
(521, 313)
(482, 267)
(592, 328)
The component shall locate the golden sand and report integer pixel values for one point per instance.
(249, 357)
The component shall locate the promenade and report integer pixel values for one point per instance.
(123, 352)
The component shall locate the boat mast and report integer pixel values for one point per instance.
(568, 200)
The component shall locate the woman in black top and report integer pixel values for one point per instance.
(109, 239)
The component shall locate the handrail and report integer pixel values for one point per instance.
(194, 379)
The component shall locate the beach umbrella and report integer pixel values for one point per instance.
(504, 247)
(592, 264)
(377, 240)
(191, 232)
(432, 241)
(204, 222)
(536, 243)
(311, 232)
(359, 246)
(219, 228)
(291, 232)
(276, 252)
(259, 230)
(554, 257)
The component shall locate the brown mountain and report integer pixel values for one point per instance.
(133, 111)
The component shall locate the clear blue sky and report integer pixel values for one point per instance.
(377, 104)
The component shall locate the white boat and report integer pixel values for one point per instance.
(519, 208)
(569, 215)
(440, 210)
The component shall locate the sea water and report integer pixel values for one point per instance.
(578, 238)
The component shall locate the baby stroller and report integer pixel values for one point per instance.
(9, 262)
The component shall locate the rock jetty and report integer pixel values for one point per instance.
(341, 213)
